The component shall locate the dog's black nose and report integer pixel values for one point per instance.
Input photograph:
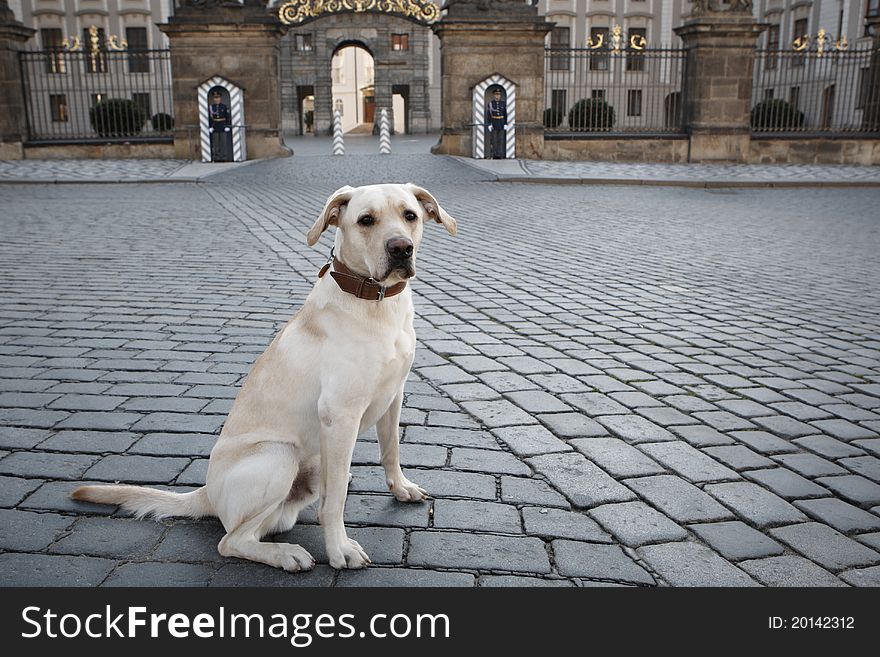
(399, 248)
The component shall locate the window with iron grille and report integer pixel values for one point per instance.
(799, 32)
(400, 42)
(58, 107)
(50, 38)
(95, 59)
(599, 56)
(770, 57)
(138, 58)
(560, 38)
(635, 60)
(303, 42)
(634, 102)
(597, 94)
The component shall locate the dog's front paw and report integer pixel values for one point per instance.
(348, 555)
(295, 558)
(406, 491)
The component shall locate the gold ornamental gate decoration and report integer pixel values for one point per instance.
(294, 12)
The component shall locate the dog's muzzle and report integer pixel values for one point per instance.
(400, 255)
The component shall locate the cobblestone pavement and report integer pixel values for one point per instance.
(626, 386)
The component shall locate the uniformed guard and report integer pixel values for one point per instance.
(220, 129)
(496, 120)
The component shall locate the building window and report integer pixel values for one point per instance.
(340, 107)
(58, 108)
(794, 97)
(770, 57)
(138, 57)
(599, 57)
(95, 60)
(51, 39)
(303, 42)
(768, 94)
(634, 102)
(799, 32)
(597, 94)
(864, 88)
(142, 100)
(635, 60)
(400, 42)
(560, 39)
(558, 99)
(872, 10)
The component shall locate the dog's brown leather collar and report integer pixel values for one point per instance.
(360, 286)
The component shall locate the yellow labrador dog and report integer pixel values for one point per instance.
(335, 370)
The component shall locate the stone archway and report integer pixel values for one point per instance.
(479, 137)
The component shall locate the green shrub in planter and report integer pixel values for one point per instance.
(591, 114)
(162, 122)
(553, 116)
(117, 117)
(776, 114)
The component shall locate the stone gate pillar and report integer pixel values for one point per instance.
(481, 38)
(720, 38)
(240, 43)
(13, 34)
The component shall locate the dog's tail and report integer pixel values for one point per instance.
(142, 501)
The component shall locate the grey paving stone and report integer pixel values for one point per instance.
(738, 457)
(595, 404)
(871, 540)
(519, 490)
(499, 413)
(867, 466)
(559, 383)
(113, 538)
(723, 421)
(872, 445)
(194, 474)
(678, 499)
(616, 457)
(844, 430)
(191, 541)
(22, 569)
(160, 574)
(702, 436)
(46, 464)
(14, 489)
(174, 444)
(439, 419)
(736, 541)
(30, 417)
(801, 411)
(179, 423)
(460, 392)
(744, 407)
(100, 421)
(530, 440)
(537, 401)
(828, 447)
(404, 577)
(862, 576)
(384, 545)
(785, 427)
(604, 384)
(764, 442)
(430, 402)
(854, 488)
(451, 437)
(844, 517)
(21, 438)
(385, 510)
(582, 482)
(558, 523)
(667, 417)
(825, 546)
(482, 516)
(442, 374)
(809, 465)
(754, 503)
(789, 570)
(689, 462)
(635, 399)
(247, 573)
(572, 425)
(87, 402)
(483, 460)
(691, 564)
(447, 483)
(514, 581)
(608, 562)
(634, 428)
(55, 496)
(366, 452)
(137, 469)
(90, 442)
(507, 381)
(689, 403)
(23, 531)
(484, 552)
(787, 484)
(526, 364)
(635, 524)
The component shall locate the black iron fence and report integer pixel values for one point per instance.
(814, 91)
(601, 91)
(101, 96)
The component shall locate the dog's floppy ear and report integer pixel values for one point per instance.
(432, 207)
(329, 214)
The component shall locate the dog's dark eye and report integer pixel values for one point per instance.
(367, 220)
(409, 215)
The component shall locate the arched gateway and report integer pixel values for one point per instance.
(394, 32)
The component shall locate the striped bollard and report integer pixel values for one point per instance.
(338, 143)
(384, 134)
